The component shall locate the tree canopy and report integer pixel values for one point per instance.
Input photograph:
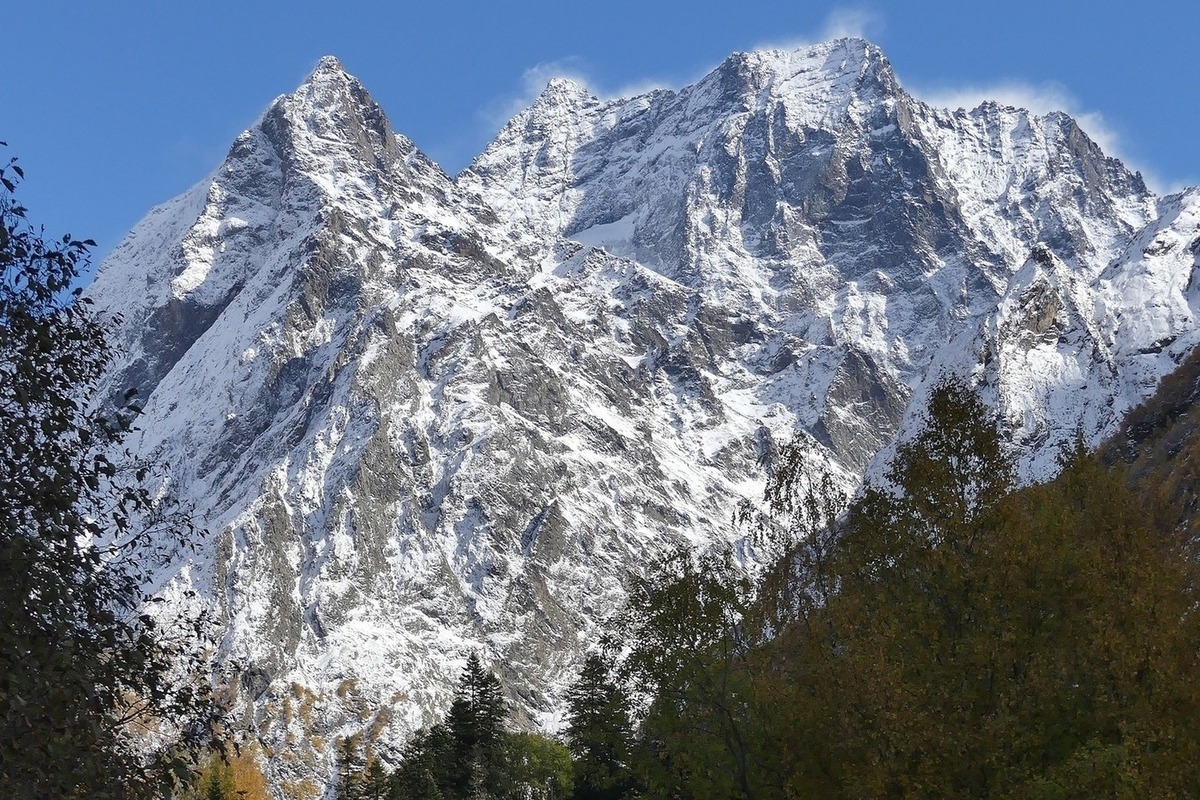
(952, 635)
(90, 704)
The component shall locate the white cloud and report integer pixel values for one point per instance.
(840, 23)
(851, 22)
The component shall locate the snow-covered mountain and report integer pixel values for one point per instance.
(421, 415)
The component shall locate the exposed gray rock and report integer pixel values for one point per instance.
(421, 416)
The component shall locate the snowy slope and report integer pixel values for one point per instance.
(421, 416)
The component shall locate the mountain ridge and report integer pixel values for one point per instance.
(423, 416)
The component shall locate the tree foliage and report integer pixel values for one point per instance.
(950, 636)
(476, 723)
(695, 635)
(600, 733)
(470, 754)
(89, 700)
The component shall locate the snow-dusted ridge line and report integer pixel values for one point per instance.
(423, 415)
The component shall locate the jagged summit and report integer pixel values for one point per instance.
(842, 62)
(331, 116)
(423, 417)
(326, 65)
(563, 87)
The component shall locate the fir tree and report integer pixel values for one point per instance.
(213, 789)
(426, 766)
(349, 770)
(599, 733)
(476, 724)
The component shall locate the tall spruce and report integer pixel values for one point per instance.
(600, 733)
(427, 766)
(476, 723)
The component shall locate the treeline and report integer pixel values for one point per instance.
(944, 635)
(949, 635)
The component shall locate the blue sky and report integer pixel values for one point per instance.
(115, 106)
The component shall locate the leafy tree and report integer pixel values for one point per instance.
(599, 733)
(691, 622)
(89, 702)
(892, 659)
(991, 642)
(538, 768)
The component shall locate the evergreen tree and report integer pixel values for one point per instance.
(213, 789)
(599, 733)
(349, 770)
(374, 784)
(427, 767)
(476, 724)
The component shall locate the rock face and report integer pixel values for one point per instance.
(421, 415)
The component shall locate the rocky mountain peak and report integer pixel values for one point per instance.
(817, 81)
(561, 90)
(423, 417)
(330, 125)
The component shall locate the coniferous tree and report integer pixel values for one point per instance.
(599, 733)
(213, 789)
(427, 766)
(349, 770)
(476, 724)
(374, 784)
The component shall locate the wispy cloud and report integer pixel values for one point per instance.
(840, 23)
(852, 22)
(494, 114)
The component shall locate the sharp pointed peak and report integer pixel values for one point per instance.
(560, 87)
(327, 65)
(329, 71)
